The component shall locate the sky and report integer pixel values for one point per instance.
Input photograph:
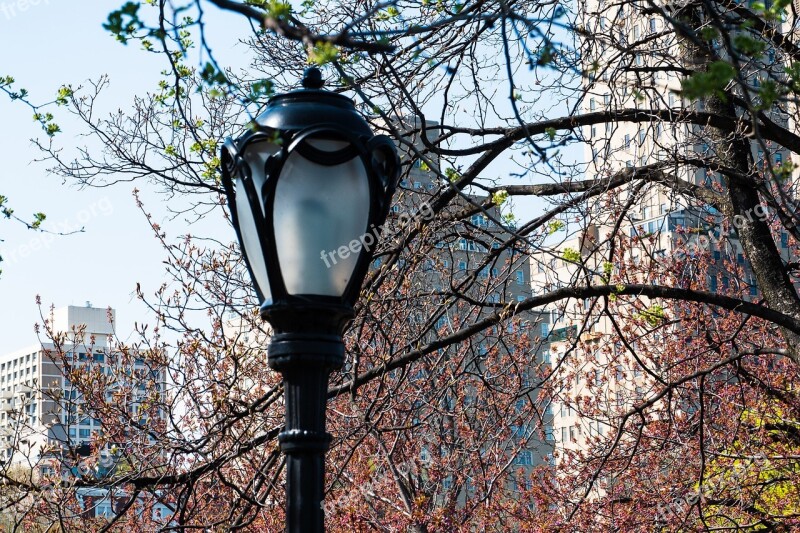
(45, 45)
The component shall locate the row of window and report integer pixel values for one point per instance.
(469, 245)
(18, 374)
(650, 228)
(83, 433)
(19, 361)
(418, 185)
(777, 158)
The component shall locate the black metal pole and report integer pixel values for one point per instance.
(305, 360)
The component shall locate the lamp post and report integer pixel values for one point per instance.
(306, 186)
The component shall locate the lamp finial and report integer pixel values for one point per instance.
(312, 78)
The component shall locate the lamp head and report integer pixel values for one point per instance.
(306, 186)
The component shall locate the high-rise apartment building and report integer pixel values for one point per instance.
(41, 412)
(635, 61)
(472, 254)
(47, 428)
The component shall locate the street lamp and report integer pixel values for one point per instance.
(307, 186)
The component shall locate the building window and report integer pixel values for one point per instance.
(524, 457)
(479, 221)
(519, 432)
(652, 25)
(520, 277)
